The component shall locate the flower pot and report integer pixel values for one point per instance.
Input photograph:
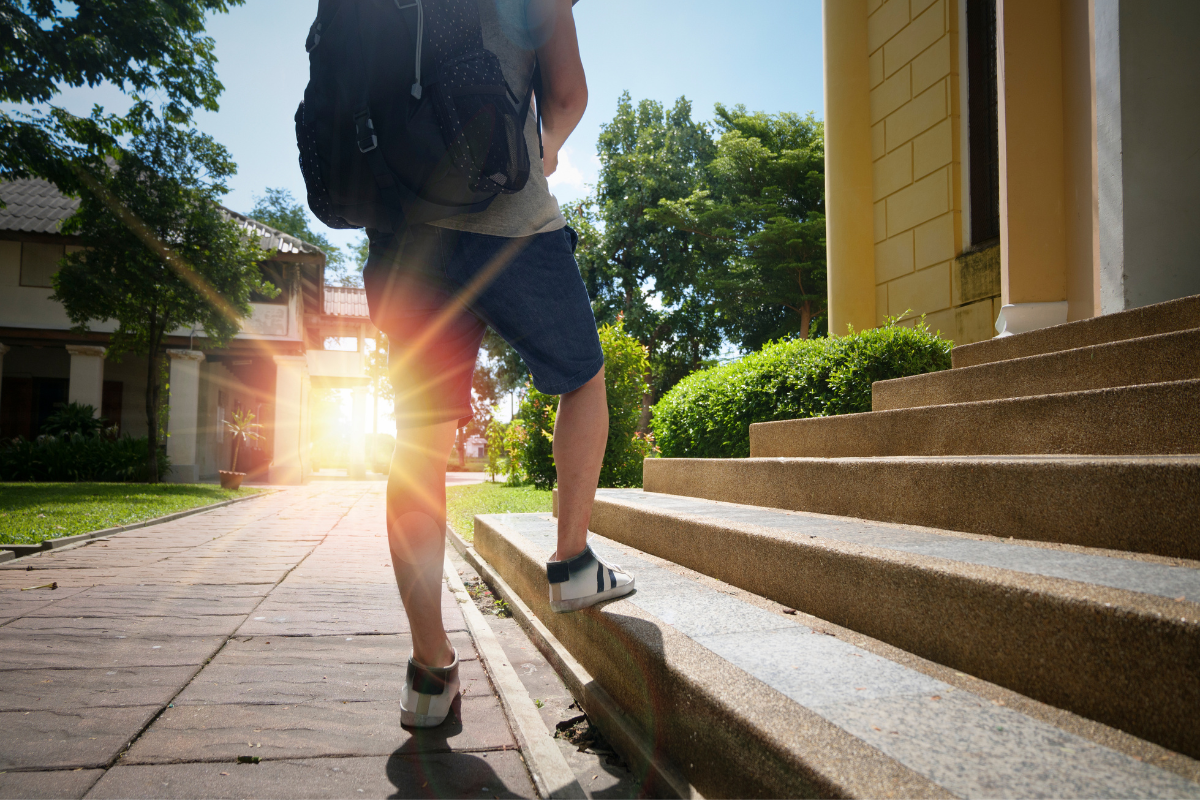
(231, 480)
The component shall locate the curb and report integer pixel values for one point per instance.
(549, 770)
(601, 709)
(22, 550)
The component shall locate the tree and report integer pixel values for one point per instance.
(279, 209)
(758, 223)
(638, 269)
(159, 254)
(144, 47)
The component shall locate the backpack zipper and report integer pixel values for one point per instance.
(416, 87)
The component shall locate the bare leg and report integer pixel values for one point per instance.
(580, 436)
(416, 521)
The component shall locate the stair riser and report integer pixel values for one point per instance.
(1146, 508)
(1161, 418)
(723, 749)
(1155, 359)
(1175, 315)
(1132, 665)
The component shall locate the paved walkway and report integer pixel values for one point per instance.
(268, 629)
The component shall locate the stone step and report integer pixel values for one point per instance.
(1173, 315)
(1150, 359)
(1152, 419)
(1075, 628)
(1136, 504)
(748, 701)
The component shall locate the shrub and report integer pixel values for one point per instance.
(74, 457)
(708, 414)
(78, 418)
(625, 367)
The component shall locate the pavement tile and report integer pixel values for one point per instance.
(47, 689)
(87, 737)
(292, 684)
(38, 785)
(208, 625)
(313, 730)
(23, 650)
(437, 775)
(263, 650)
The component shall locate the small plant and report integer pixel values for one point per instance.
(79, 419)
(244, 428)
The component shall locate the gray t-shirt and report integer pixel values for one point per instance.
(533, 209)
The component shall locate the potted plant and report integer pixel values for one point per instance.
(244, 428)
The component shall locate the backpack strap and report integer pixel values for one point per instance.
(535, 86)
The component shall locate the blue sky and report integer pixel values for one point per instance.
(765, 54)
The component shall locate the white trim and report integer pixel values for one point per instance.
(964, 124)
(1024, 317)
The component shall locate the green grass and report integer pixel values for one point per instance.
(32, 512)
(464, 502)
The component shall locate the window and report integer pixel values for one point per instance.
(39, 262)
(983, 110)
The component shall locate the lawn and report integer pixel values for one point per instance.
(31, 512)
(464, 502)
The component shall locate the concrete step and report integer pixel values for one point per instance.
(1174, 315)
(1114, 638)
(1156, 418)
(1136, 504)
(751, 702)
(1150, 359)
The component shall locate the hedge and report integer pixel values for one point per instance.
(708, 414)
(75, 457)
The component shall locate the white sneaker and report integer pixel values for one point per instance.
(585, 580)
(428, 694)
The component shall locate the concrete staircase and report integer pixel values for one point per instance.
(987, 586)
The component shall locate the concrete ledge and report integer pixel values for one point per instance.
(661, 778)
(1137, 504)
(1175, 315)
(1079, 644)
(1152, 359)
(7, 555)
(80, 538)
(1157, 418)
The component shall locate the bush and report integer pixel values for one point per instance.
(78, 418)
(625, 367)
(708, 414)
(74, 457)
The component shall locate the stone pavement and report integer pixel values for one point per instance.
(268, 629)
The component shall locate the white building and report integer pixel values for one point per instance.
(269, 368)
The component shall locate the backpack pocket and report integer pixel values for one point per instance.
(483, 128)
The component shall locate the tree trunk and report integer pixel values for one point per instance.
(460, 445)
(237, 445)
(647, 401)
(806, 316)
(152, 405)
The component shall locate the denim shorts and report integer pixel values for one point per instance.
(434, 292)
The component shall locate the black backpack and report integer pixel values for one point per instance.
(407, 117)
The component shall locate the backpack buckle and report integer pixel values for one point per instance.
(364, 132)
(314, 37)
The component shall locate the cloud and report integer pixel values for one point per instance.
(568, 182)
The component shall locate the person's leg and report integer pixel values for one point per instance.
(580, 436)
(416, 521)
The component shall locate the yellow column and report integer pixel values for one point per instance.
(849, 227)
(1032, 209)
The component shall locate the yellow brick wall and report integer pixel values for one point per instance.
(915, 135)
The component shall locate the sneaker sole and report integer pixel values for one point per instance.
(565, 606)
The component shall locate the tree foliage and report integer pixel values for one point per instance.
(757, 225)
(159, 254)
(638, 269)
(144, 47)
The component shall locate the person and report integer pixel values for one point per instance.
(434, 290)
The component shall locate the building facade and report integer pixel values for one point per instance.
(269, 368)
(1005, 165)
